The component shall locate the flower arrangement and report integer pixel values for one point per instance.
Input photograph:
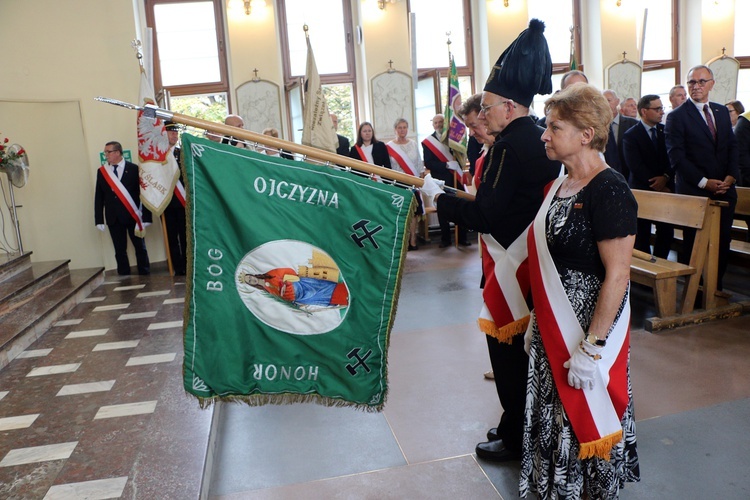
(8, 154)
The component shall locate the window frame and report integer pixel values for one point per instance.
(348, 77)
(562, 68)
(468, 69)
(674, 62)
(218, 87)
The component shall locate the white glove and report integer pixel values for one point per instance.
(146, 224)
(582, 365)
(431, 187)
(453, 165)
(100, 227)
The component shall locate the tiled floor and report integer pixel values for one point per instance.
(95, 408)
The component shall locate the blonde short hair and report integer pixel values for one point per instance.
(583, 106)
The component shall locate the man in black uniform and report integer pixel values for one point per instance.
(509, 196)
(174, 214)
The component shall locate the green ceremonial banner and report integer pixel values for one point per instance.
(293, 279)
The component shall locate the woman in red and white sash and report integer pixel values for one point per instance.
(368, 148)
(405, 158)
(579, 434)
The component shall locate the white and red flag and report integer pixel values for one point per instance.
(158, 170)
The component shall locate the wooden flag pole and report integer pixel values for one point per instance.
(292, 147)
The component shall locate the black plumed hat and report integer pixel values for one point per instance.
(524, 69)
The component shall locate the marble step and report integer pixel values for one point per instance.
(25, 285)
(12, 264)
(27, 322)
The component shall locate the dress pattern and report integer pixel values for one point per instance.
(550, 466)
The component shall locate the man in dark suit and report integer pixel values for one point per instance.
(343, 148)
(645, 154)
(174, 213)
(569, 78)
(440, 170)
(742, 132)
(620, 124)
(703, 152)
(111, 200)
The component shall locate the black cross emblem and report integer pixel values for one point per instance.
(354, 353)
(368, 234)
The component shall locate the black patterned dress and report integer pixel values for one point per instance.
(550, 468)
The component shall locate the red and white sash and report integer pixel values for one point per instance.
(506, 285)
(361, 153)
(397, 153)
(595, 414)
(443, 153)
(124, 196)
(478, 168)
(179, 192)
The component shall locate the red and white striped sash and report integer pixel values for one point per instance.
(506, 285)
(442, 153)
(361, 153)
(595, 414)
(395, 151)
(179, 192)
(127, 200)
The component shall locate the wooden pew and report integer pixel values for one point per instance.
(661, 275)
(742, 211)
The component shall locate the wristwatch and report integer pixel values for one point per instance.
(594, 340)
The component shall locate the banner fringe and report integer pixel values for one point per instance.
(286, 399)
(601, 447)
(506, 333)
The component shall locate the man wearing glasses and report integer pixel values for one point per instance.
(510, 192)
(645, 152)
(703, 152)
(117, 199)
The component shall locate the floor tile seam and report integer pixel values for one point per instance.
(395, 438)
(484, 473)
(697, 408)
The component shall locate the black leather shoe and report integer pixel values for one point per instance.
(496, 452)
(413, 247)
(492, 435)
(445, 244)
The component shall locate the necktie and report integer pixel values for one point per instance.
(614, 129)
(653, 137)
(710, 121)
(115, 169)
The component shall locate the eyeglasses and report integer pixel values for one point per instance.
(701, 82)
(660, 108)
(483, 109)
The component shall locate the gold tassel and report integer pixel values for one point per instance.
(506, 333)
(601, 448)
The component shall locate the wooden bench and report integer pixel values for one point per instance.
(742, 246)
(661, 275)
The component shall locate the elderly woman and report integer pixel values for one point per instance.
(579, 432)
(735, 110)
(368, 148)
(405, 158)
